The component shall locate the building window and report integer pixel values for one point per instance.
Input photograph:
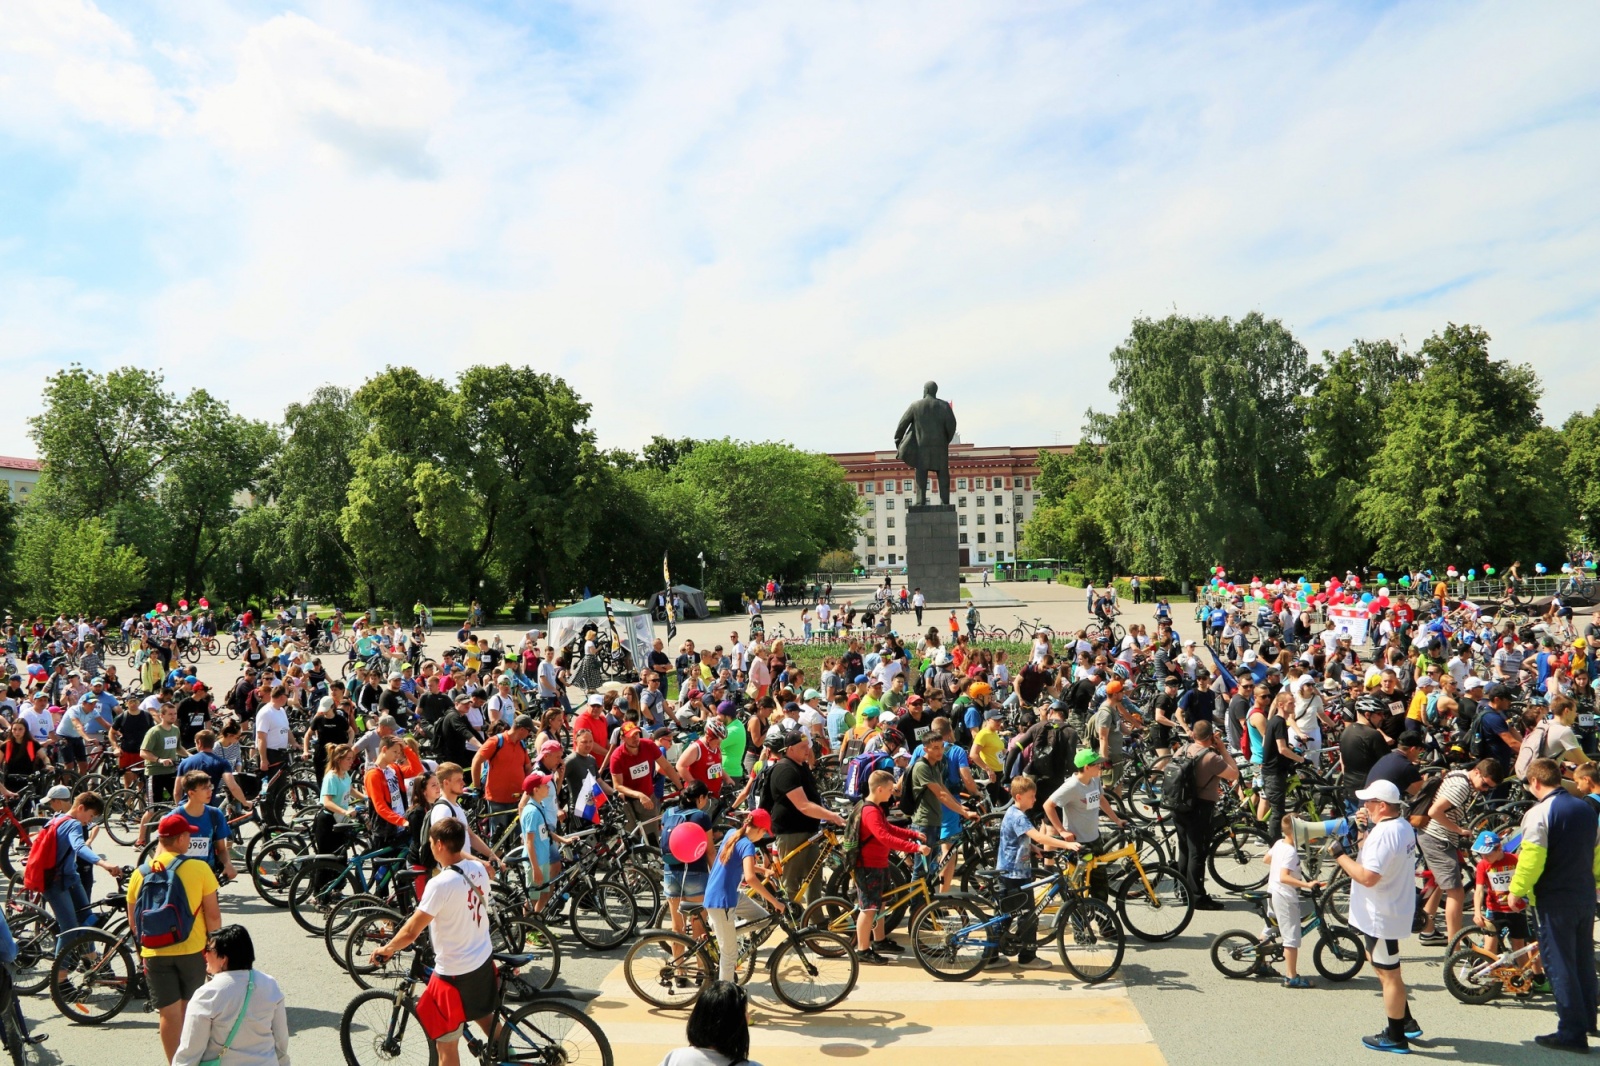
(891, 540)
(1019, 499)
(891, 521)
(983, 557)
(872, 542)
(961, 539)
(979, 484)
(961, 484)
(891, 558)
(1000, 519)
(980, 538)
(999, 538)
(872, 486)
(961, 519)
(999, 482)
(906, 486)
(872, 560)
(980, 520)
(961, 501)
(888, 505)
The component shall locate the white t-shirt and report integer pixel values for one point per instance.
(1386, 909)
(151, 703)
(549, 678)
(504, 708)
(460, 927)
(700, 1056)
(274, 722)
(40, 724)
(1285, 860)
(443, 809)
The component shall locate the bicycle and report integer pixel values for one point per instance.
(13, 1026)
(1237, 953)
(1474, 974)
(375, 1024)
(955, 936)
(97, 975)
(812, 970)
(1154, 903)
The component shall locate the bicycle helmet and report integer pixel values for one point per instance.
(1487, 841)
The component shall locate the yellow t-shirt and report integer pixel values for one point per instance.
(198, 883)
(989, 747)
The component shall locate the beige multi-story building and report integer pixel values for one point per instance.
(20, 476)
(992, 489)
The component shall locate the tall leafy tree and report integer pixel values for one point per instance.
(1466, 474)
(408, 515)
(1581, 473)
(1078, 513)
(10, 515)
(309, 482)
(1207, 441)
(76, 567)
(1344, 430)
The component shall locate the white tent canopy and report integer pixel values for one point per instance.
(638, 633)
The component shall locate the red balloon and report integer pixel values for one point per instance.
(203, 604)
(687, 842)
(183, 605)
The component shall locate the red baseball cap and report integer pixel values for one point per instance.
(177, 825)
(761, 820)
(534, 780)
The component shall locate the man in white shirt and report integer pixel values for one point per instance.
(549, 678)
(452, 783)
(1383, 902)
(455, 905)
(825, 615)
(37, 716)
(501, 706)
(737, 652)
(272, 732)
(918, 602)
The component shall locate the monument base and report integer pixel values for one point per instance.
(933, 559)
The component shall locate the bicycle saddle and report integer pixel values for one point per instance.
(513, 961)
(1255, 895)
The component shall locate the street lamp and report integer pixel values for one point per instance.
(702, 558)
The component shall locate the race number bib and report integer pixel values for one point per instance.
(638, 771)
(199, 847)
(1586, 720)
(170, 743)
(714, 771)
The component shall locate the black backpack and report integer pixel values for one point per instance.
(1051, 751)
(1477, 746)
(1180, 792)
(907, 798)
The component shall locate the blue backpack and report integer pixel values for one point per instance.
(161, 912)
(859, 769)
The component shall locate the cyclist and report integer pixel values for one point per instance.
(1018, 839)
(455, 908)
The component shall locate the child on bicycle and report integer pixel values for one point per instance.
(1283, 889)
(1014, 860)
(1493, 906)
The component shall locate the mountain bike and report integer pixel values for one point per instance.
(13, 1027)
(1338, 956)
(381, 1027)
(810, 971)
(96, 976)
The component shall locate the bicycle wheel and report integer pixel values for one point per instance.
(551, 1032)
(948, 939)
(124, 808)
(833, 913)
(1339, 955)
(314, 890)
(35, 933)
(518, 935)
(14, 846)
(645, 890)
(1235, 858)
(814, 970)
(374, 1029)
(1333, 902)
(274, 865)
(340, 919)
(1468, 936)
(371, 930)
(603, 914)
(1090, 939)
(1157, 911)
(93, 978)
(234, 650)
(1234, 953)
(667, 971)
(1467, 976)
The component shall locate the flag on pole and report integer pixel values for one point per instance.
(1229, 684)
(591, 797)
(672, 615)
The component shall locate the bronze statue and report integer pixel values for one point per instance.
(922, 441)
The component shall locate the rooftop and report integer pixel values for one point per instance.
(12, 462)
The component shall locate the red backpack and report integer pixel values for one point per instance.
(44, 855)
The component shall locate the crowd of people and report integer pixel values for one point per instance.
(1440, 714)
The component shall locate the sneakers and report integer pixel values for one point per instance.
(1035, 963)
(1413, 1030)
(996, 962)
(1555, 1043)
(1542, 986)
(1385, 1042)
(1207, 903)
(1297, 981)
(1433, 939)
(872, 958)
(888, 947)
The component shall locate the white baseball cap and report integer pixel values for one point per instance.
(1384, 791)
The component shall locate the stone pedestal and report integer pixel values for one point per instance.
(933, 560)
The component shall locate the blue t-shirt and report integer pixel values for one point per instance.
(722, 884)
(1015, 859)
(536, 821)
(1491, 725)
(205, 829)
(213, 764)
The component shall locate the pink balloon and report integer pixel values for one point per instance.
(183, 605)
(688, 842)
(203, 603)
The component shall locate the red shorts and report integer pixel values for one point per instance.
(126, 761)
(448, 1003)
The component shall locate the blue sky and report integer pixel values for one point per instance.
(777, 220)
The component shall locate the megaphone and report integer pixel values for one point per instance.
(1307, 831)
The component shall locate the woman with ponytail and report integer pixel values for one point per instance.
(736, 863)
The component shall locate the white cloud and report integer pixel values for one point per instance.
(778, 220)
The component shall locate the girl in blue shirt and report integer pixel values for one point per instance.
(737, 863)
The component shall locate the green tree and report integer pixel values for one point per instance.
(1206, 442)
(1581, 473)
(10, 517)
(664, 453)
(309, 482)
(1344, 430)
(250, 562)
(1466, 474)
(838, 561)
(74, 566)
(408, 513)
(1078, 512)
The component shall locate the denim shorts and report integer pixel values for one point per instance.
(684, 883)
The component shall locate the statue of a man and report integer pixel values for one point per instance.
(922, 441)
